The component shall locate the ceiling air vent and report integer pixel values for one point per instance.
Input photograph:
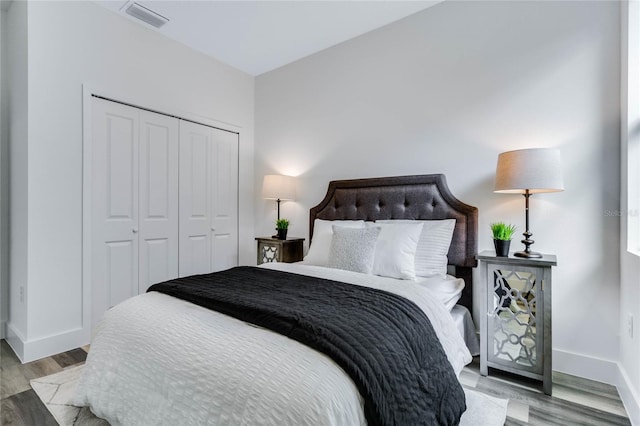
(145, 14)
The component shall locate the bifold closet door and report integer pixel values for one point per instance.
(114, 266)
(208, 199)
(158, 199)
(134, 190)
(224, 200)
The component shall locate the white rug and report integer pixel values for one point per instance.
(56, 392)
(483, 410)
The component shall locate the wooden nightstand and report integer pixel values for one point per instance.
(275, 250)
(515, 316)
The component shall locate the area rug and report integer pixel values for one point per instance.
(56, 392)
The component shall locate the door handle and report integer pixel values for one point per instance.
(134, 230)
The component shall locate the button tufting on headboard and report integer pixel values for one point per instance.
(421, 197)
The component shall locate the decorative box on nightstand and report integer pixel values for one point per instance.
(275, 250)
(515, 317)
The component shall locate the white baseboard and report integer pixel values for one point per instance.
(598, 369)
(31, 350)
(15, 340)
(629, 396)
(601, 370)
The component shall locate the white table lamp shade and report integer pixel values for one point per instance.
(278, 187)
(538, 170)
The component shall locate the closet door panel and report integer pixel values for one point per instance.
(158, 199)
(121, 271)
(195, 209)
(114, 199)
(224, 200)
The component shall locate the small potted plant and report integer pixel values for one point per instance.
(502, 234)
(282, 225)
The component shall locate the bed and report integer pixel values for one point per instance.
(158, 359)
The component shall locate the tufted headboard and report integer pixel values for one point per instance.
(419, 197)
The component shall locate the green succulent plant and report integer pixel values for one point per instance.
(282, 224)
(502, 231)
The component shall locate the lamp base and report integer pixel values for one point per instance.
(528, 254)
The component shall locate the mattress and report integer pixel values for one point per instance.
(466, 327)
(157, 360)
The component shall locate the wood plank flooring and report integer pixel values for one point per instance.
(19, 404)
(575, 401)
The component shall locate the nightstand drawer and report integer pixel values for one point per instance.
(275, 250)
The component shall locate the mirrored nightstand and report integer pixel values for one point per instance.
(274, 250)
(515, 318)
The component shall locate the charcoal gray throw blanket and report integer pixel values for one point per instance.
(383, 341)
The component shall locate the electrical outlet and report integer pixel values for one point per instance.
(21, 294)
(630, 325)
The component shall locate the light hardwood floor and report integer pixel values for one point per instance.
(19, 403)
(575, 401)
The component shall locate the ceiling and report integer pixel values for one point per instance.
(259, 36)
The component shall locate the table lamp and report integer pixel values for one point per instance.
(527, 172)
(279, 188)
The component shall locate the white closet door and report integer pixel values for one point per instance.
(158, 201)
(195, 209)
(114, 205)
(208, 199)
(224, 200)
(164, 201)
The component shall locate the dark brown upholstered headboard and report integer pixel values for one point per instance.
(420, 197)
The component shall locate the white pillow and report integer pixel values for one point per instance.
(353, 249)
(433, 246)
(396, 250)
(321, 242)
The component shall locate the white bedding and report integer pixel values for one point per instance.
(157, 360)
(467, 329)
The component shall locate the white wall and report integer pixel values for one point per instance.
(4, 172)
(445, 91)
(76, 43)
(16, 57)
(630, 188)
